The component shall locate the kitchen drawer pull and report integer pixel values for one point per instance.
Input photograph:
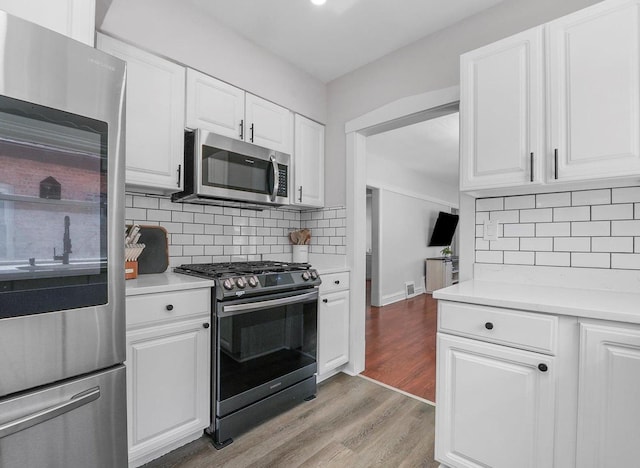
(488, 326)
(543, 367)
(205, 325)
(325, 300)
(47, 414)
(337, 281)
(169, 307)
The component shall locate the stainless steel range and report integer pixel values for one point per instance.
(264, 341)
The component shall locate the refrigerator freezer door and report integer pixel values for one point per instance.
(81, 423)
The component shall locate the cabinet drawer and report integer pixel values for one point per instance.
(515, 328)
(334, 282)
(158, 307)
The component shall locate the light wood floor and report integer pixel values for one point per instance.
(401, 345)
(352, 423)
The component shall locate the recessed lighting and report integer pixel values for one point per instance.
(318, 2)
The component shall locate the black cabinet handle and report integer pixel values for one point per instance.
(300, 198)
(242, 129)
(555, 163)
(251, 133)
(205, 325)
(531, 168)
(169, 307)
(179, 174)
(325, 300)
(488, 326)
(542, 367)
(337, 281)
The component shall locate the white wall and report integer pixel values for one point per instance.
(383, 173)
(183, 34)
(405, 226)
(428, 64)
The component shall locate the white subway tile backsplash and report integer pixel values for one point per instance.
(537, 244)
(590, 260)
(553, 258)
(193, 228)
(591, 197)
(553, 229)
(182, 217)
(519, 258)
(489, 204)
(520, 202)
(541, 215)
(625, 228)
(612, 244)
(582, 229)
(550, 200)
(591, 228)
(572, 244)
(612, 212)
(576, 213)
(625, 195)
(140, 201)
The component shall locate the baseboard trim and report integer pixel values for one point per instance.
(400, 296)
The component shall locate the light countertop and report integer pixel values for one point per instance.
(596, 304)
(165, 282)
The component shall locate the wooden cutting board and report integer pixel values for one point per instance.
(155, 256)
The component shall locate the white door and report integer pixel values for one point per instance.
(214, 105)
(308, 162)
(167, 384)
(495, 405)
(501, 113)
(333, 331)
(155, 118)
(608, 402)
(594, 85)
(268, 124)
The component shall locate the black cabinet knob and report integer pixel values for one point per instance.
(488, 326)
(543, 367)
(205, 325)
(337, 281)
(325, 300)
(170, 307)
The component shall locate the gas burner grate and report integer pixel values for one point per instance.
(217, 270)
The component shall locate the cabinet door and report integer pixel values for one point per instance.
(594, 85)
(214, 105)
(268, 124)
(333, 331)
(155, 118)
(308, 162)
(608, 403)
(501, 113)
(495, 406)
(73, 18)
(167, 384)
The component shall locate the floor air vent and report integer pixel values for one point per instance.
(410, 289)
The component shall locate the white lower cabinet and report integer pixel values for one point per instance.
(495, 405)
(333, 323)
(608, 402)
(168, 372)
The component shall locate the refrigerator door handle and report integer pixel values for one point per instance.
(52, 412)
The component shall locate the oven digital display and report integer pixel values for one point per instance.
(277, 280)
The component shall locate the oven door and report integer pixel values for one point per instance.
(237, 170)
(263, 345)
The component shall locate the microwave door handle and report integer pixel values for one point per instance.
(276, 181)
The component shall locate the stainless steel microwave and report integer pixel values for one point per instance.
(218, 168)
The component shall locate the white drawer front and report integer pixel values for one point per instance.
(515, 328)
(149, 308)
(334, 282)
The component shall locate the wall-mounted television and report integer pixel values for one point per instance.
(444, 230)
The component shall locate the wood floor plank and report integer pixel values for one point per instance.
(352, 422)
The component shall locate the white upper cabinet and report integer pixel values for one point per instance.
(501, 109)
(591, 126)
(73, 18)
(154, 120)
(608, 404)
(214, 105)
(308, 161)
(594, 90)
(226, 110)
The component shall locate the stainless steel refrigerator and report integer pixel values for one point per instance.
(62, 324)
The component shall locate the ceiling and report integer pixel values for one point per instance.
(429, 147)
(342, 35)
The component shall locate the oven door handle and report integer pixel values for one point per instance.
(236, 309)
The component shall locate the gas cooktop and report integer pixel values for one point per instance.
(235, 279)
